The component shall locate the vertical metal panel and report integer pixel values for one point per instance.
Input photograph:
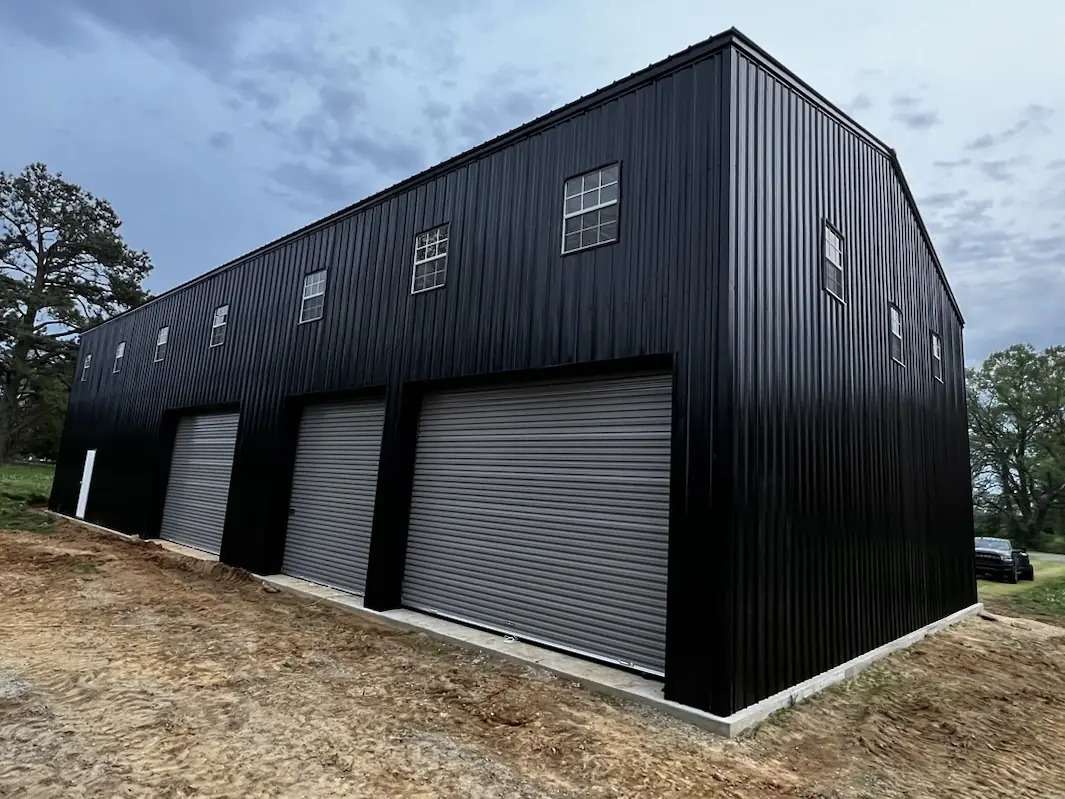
(542, 510)
(851, 518)
(198, 489)
(333, 486)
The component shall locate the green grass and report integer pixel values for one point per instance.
(1043, 598)
(21, 487)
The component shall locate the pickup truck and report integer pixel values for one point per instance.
(997, 559)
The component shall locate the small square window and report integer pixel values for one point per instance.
(590, 209)
(312, 305)
(937, 357)
(430, 259)
(161, 343)
(120, 353)
(218, 325)
(895, 334)
(85, 367)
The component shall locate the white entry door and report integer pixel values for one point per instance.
(86, 479)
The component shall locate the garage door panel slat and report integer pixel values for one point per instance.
(543, 510)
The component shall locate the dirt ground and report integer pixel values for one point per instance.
(128, 671)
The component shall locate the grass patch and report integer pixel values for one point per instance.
(1043, 598)
(23, 486)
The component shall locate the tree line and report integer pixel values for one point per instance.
(64, 267)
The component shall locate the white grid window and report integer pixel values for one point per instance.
(85, 367)
(120, 353)
(161, 343)
(312, 307)
(896, 333)
(590, 210)
(833, 263)
(430, 259)
(937, 357)
(218, 325)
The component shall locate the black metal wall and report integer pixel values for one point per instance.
(512, 303)
(847, 483)
(819, 494)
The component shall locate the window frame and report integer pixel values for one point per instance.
(305, 296)
(901, 337)
(616, 202)
(120, 354)
(164, 333)
(86, 364)
(444, 256)
(211, 343)
(936, 341)
(826, 228)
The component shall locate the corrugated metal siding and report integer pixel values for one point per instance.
(198, 489)
(852, 518)
(334, 482)
(542, 510)
(511, 300)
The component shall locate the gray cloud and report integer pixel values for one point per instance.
(911, 112)
(1034, 119)
(1001, 170)
(204, 32)
(393, 156)
(943, 199)
(305, 185)
(861, 102)
(508, 97)
(952, 164)
(220, 140)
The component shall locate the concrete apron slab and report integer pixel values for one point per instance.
(598, 677)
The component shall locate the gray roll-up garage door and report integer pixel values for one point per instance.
(542, 510)
(197, 490)
(333, 486)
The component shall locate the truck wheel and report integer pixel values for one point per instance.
(1011, 578)
(1029, 574)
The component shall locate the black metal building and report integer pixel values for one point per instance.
(671, 376)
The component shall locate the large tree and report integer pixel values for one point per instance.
(1017, 439)
(63, 269)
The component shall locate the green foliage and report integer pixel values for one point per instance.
(1016, 404)
(23, 486)
(63, 269)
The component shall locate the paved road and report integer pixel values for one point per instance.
(1048, 556)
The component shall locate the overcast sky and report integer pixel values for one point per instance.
(214, 127)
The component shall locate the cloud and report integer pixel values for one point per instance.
(1034, 119)
(861, 102)
(981, 142)
(220, 140)
(1001, 170)
(943, 199)
(507, 98)
(910, 111)
(952, 164)
(204, 32)
(390, 155)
